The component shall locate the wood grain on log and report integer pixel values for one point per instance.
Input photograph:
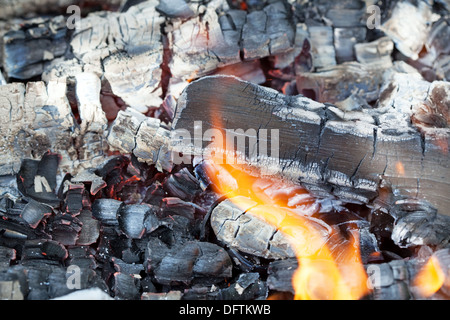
(329, 151)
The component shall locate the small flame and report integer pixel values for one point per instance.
(323, 273)
(430, 278)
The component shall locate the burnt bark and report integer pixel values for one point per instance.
(346, 154)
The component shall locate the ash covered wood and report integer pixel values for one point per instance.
(373, 148)
(324, 139)
(40, 119)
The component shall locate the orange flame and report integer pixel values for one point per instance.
(430, 279)
(323, 273)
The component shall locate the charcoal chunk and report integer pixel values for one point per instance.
(133, 220)
(175, 206)
(65, 229)
(125, 287)
(183, 185)
(106, 210)
(248, 286)
(418, 225)
(34, 212)
(44, 250)
(280, 275)
(199, 262)
(37, 178)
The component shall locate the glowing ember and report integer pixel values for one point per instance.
(431, 278)
(400, 168)
(323, 273)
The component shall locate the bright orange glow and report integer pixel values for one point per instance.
(431, 278)
(323, 273)
(400, 168)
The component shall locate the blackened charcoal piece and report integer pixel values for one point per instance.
(183, 185)
(125, 287)
(151, 222)
(134, 219)
(37, 178)
(34, 212)
(37, 284)
(58, 284)
(248, 286)
(81, 256)
(131, 256)
(175, 230)
(108, 245)
(106, 210)
(154, 253)
(74, 199)
(201, 172)
(14, 208)
(367, 244)
(112, 166)
(44, 250)
(155, 193)
(15, 231)
(280, 275)
(201, 262)
(420, 224)
(132, 269)
(90, 229)
(27, 50)
(175, 206)
(50, 281)
(6, 256)
(6, 203)
(65, 229)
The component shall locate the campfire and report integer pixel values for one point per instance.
(224, 150)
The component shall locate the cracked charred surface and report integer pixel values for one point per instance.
(38, 117)
(349, 155)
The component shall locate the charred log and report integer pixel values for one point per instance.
(315, 141)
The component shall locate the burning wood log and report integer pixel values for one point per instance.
(328, 151)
